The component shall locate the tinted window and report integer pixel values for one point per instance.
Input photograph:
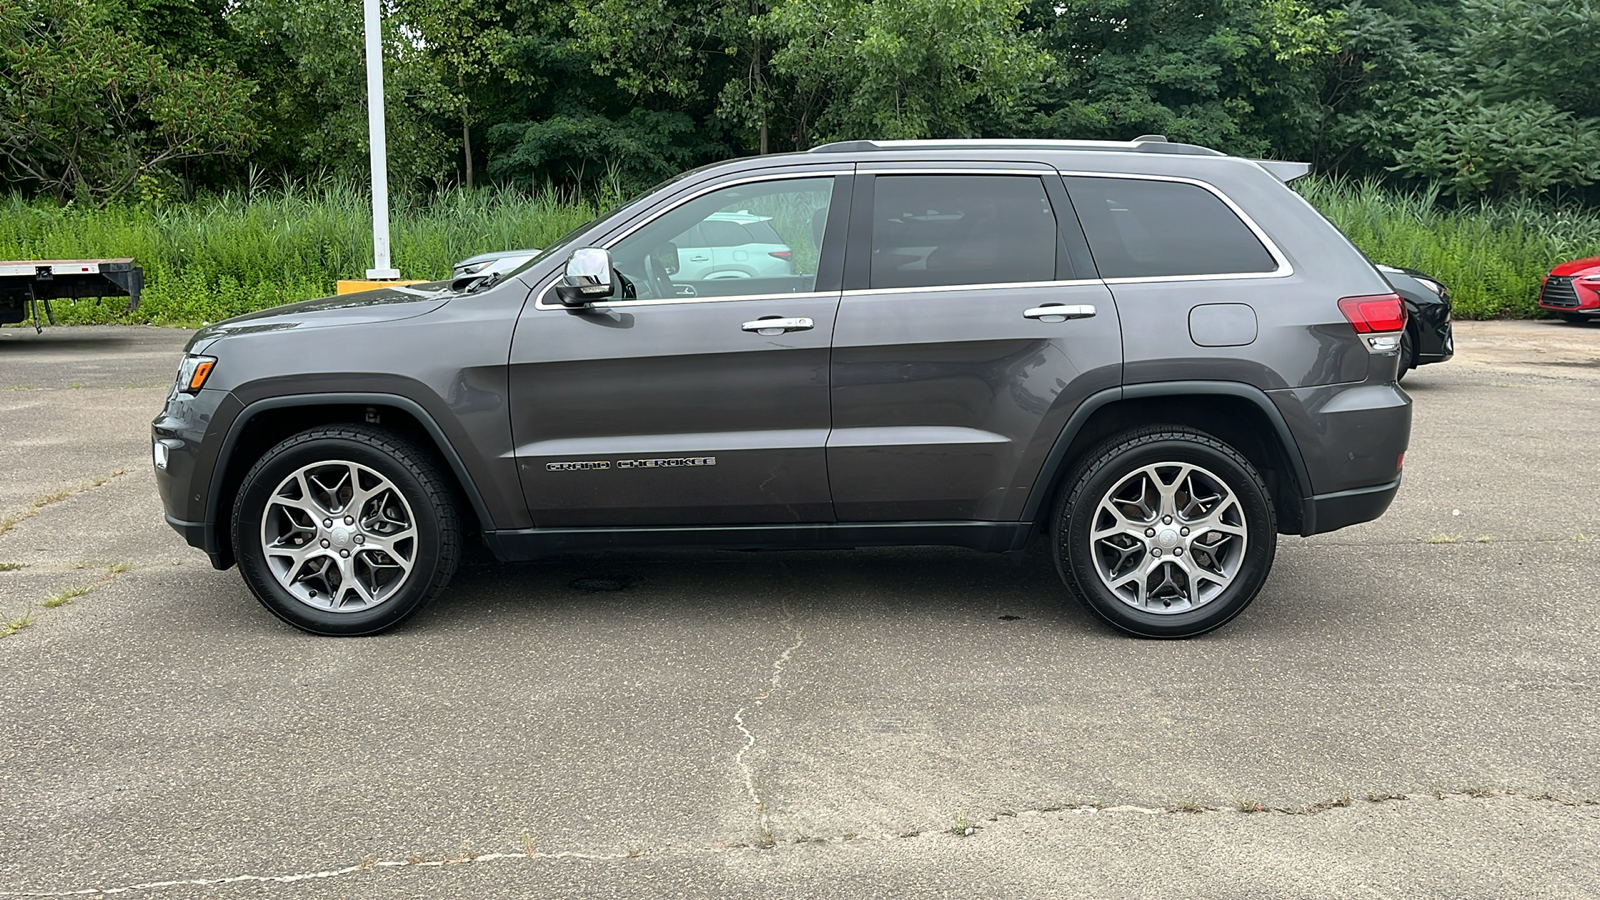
(1147, 229)
(961, 229)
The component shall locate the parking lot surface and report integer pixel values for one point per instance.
(1408, 710)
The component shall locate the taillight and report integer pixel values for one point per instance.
(781, 254)
(1374, 312)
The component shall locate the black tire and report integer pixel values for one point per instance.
(1408, 356)
(1118, 462)
(425, 520)
(1578, 318)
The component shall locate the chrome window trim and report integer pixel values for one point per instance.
(983, 286)
(669, 301)
(798, 173)
(953, 167)
(1285, 269)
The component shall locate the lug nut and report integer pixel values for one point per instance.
(1166, 520)
(327, 523)
(360, 539)
(1183, 531)
(324, 543)
(1149, 532)
(1156, 552)
(344, 553)
(349, 520)
(1177, 551)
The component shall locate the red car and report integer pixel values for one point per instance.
(1572, 289)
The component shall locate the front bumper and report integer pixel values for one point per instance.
(188, 452)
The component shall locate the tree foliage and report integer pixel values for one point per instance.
(1485, 98)
(87, 111)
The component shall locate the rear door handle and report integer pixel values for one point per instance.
(1059, 312)
(778, 325)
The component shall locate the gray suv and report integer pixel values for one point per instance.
(1154, 356)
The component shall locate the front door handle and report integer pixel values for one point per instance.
(699, 259)
(1059, 312)
(778, 325)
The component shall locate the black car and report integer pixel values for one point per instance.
(1154, 356)
(1428, 337)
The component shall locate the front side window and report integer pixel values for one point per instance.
(934, 230)
(1139, 228)
(764, 237)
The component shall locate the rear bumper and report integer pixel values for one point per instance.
(1330, 512)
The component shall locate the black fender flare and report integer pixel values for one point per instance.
(1039, 495)
(446, 449)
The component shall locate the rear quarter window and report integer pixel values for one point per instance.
(1139, 228)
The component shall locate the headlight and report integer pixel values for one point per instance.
(1430, 284)
(193, 372)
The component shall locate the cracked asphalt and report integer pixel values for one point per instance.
(1409, 709)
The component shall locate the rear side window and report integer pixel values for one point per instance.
(930, 230)
(1139, 228)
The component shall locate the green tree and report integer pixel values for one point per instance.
(1230, 74)
(309, 56)
(902, 68)
(89, 112)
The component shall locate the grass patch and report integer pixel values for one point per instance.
(237, 252)
(66, 596)
(9, 566)
(1442, 539)
(1491, 256)
(12, 626)
(241, 250)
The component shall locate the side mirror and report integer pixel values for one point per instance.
(587, 277)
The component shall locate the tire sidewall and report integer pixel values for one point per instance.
(1075, 519)
(250, 504)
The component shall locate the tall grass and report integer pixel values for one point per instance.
(247, 250)
(235, 253)
(1491, 255)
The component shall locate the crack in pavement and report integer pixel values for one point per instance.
(749, 736)
(1060, 811)
(12, 520)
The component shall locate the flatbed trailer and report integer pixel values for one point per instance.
(24, 284)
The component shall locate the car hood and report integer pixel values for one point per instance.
(1577, 266)
(382, 305)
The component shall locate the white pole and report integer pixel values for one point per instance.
(380, 150)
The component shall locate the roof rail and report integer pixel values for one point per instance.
(1150, 143)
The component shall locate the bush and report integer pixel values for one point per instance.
(235, 253)
(211, 259)
(1491, 255)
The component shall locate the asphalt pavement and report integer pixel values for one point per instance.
(1408, 710)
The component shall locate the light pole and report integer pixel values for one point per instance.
(381, 269)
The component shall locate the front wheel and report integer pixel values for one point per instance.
(345, 530)
(1165, 532)
(1579, 318)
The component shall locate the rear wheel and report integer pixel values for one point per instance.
(345, 530)
(1408, 356)
(1165, 532)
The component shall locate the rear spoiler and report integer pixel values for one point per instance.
(1283, 170)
